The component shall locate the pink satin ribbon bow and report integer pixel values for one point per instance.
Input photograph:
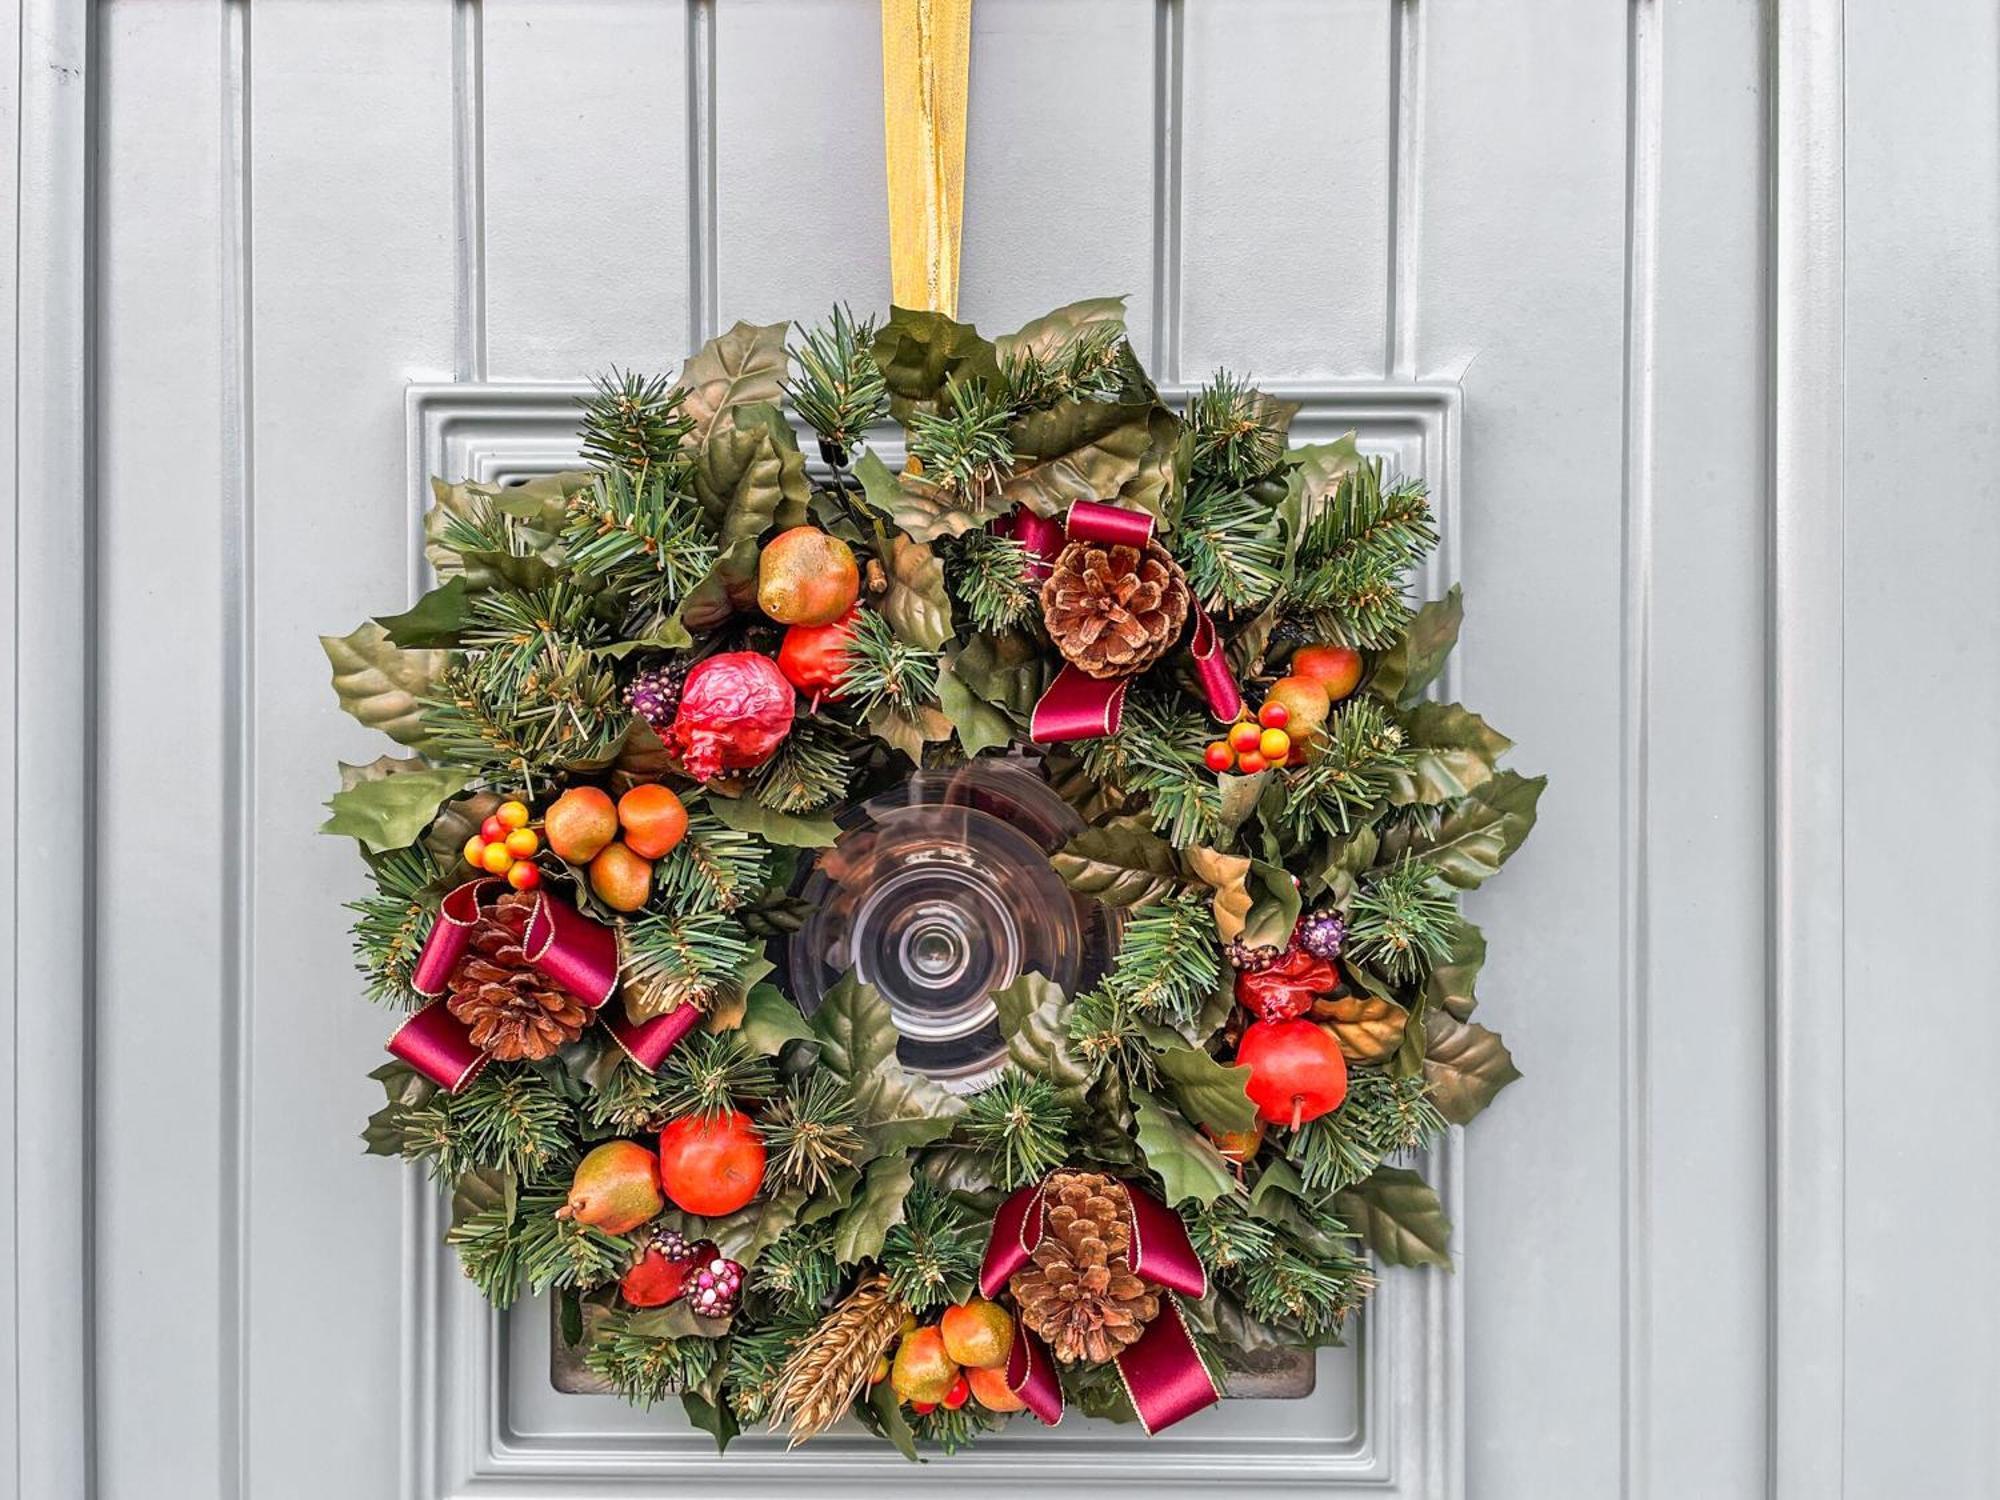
(561, 944)
(1163, 1373)
(1078, 706)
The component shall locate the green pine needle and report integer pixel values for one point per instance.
(1235, 432)
(1229, 1238)
(1402, 921)
(839, 389)
(952, 1431)
(1168, 960)
(813, 766)
(798, 1270)
(989, 576)
(809, 1131)
(1157, 753)
(1023, 1126)
(711, 1073)
(757, 1355)
(635, 422)
(518, 732)
(638, 536)
(1348, 781)
(932, 1256)
(489, 1254)
(713, 868)
(1354, 557)
(1381, 1115)
(963, 445)
(684, 957)
(1085, 366)
(392, 922)
(1313, 1295)
(884, 671)
(1110, 1036)
(1230, 545)
(645, 1365)
(561, 1252)
(628, 1101)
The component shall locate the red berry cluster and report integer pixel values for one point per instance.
(1255, 745)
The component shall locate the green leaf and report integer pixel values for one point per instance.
(877, 1208)
(922, 510)
(1316, 470)
(485, 1188)
(1449, 985)
(731, 585)
(1399, 1216)
(379, 683)
(898, 1109)
(1453, 752)
(747, 474)
(1187, 1162)
(1005, 670)
(1479, 834)
(909, 730)
(894, 1425)
(856, 1031)
(745, 1234)
(1119, 865)
(715, 1418)
(770, 1020)
(980, 726)
(1075, 450)
(393, 812)
(540, 506)
(1465, 1065)
(918, 351)
(671, 634)
(1413, 663)
(434, 620)
(788, 830)
(1034, 1018)
(744, 366)
(1207, 1092)
(1274, 906)
(916, 606)
(1053, 330)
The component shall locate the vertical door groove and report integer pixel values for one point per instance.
(469, 142)
(1406, 105)
(703, 297)
(1168, 36)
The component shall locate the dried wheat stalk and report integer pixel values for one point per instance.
(827, 1370)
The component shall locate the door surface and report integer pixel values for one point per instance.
(1688, 306)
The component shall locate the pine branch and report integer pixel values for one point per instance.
(1234, 431)
(1348, 780)
(512, 1119)
(989, 576)
(1312, 1294)
(489, 1254)
(1381, 1115)
(684, 957)
(528, 634)
(1168, 962)
(1085, 366)
(963, 446)
(839, 390)
(645, 1365)
(1229, 1238)
(638, 535)
(1354, 557)
(392, 922)
(516, 733)
(952, 1430)
(1157, 753)
(798, 1270)
(813, 767)
(627, 1102)
(711, 1073)
(757, 1356)
(809, 1131)
(884, 671)
(932, 1256)
(713, 868)
(561, 1252)
(1110, 1036)
(1402, 921)
(1228, 542)
(1021, 1123)
(636, 422)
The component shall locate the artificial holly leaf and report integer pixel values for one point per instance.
(1156, 480)
(1479, 833)
(1187, 1162)
(716, 1418)
(457, 821)
(434, 620)
(921, 509)
(1074, 450)
(794, 489)
(1034, 1013)
(391, 813)
(747, 473)
(980, 726)
(876, 1209)
(534, 513)
(1006, 670)
(1229, 876)
(744, 366)
(1399, 1216)
(1238, 797)
(1452, 753)
(887, 1409)
(1208, 1093)
(1052, 331)
(379, 683)
(747, 1233)
(731, 585)
(909, 729)
(770, 1020)
(790, 830)
(1316, 469)
(1274, 906)
(1450, 983)
(1413, 663)
(668, 633)
(916, 605)
(918, 351)
(483, 1189)
(1368, 1027)
(1246, 647)
(832, 1198)
(1465, 1065)
(1119, 864)
(901, 1110)
(857, 1033)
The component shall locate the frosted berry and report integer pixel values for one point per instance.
(716, 1287)
(1322, 933)
(654, 694)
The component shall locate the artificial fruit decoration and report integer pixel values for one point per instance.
(814, 657)
(977, 1333)
(1286, 989)
(1296, 1071)
(1337, 669)
(1305, 705)
(711, 1164)
(990, 1390)
(579, 823)
(653, 819)
(621, 879)
(806, 577)
(735, 710)
(922, 1370)
(616, 1188)
(1238, 1146)
(655, 1280)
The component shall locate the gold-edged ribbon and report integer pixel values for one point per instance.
(926, 63)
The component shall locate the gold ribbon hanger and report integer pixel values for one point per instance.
(926, 57)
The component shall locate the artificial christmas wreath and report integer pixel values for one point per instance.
(652, 702)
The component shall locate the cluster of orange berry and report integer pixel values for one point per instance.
(506, 846)
(1255, 744)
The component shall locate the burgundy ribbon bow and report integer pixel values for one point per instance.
(1163, 1373)
(1078, 706)
(561, 944)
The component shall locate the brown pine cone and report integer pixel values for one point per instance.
(1080, 1293)
(514, 1014)
(1114, 611)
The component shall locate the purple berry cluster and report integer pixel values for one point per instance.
(1321, 934)
(654, 694)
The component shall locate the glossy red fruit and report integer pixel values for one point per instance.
(1244, 737)
(923, 1408)
(656, 1281)
(814, 657)
(1250, 762)
(1273, 715)
(1285, 990)
(958, 1395)
(1296, 1071)
(1218, 757)
(493, 830)
(711, 1164)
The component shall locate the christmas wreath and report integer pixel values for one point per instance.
(737, 1014)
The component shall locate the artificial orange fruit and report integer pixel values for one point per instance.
(977, 1333)
(579, 823)
(621, 879)
(922, 1371)
(653, 819)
